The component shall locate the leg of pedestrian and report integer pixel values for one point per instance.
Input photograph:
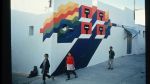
(74, 73)
(47, 75)
(52, 77)
(109, 64)
(68, 75)
(44, 79)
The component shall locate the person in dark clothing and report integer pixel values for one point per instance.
(70, 66)
(34, 72)
(45, 68)
(111, 58)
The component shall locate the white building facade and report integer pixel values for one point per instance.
(73, 26)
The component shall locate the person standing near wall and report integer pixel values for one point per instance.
(70, 64)
(111, 58)
(45, 68)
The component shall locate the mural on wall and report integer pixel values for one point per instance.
(72, 21)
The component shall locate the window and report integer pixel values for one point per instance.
(129, 43)
(31, 30)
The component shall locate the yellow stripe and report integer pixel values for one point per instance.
(106, 15)
(68, 7)
(71, 17)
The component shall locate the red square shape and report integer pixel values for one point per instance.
(100, 29)
(86, 28)
(101, 15)
(86, 12)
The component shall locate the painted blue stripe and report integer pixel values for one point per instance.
(80, 12)
(94, 18)
(82, 50)
(69, 36)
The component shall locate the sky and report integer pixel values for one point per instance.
(41, 6)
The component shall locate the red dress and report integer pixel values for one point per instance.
(70, 60)
(70, 63)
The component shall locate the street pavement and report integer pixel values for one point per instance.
(127, 70)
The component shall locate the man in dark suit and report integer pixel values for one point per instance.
(45, 68)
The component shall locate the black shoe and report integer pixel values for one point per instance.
(68, 79)
(49, 76)
(76, 76)
(112, 68)
(52, 78)
(109, 68)
(44, 82)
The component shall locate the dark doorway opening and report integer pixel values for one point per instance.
(129, 43)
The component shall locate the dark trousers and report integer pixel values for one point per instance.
(32, 74)
(69, 72)
(110, 62)
(44, 75)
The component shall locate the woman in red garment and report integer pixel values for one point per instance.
(70, 66)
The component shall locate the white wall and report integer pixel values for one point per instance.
(116, 39)
(27, 51)
(139, 41)
(116, 15)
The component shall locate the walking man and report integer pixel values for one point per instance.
(45, 68)
(111, 58)
(70, 66)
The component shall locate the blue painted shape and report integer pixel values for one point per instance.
(94, 18)
(80, 11)
(82, 50)
(108, 28)
(47, 35)
(72, 34)
(108, 31)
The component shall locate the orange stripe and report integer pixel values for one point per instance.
(61, 9)
(70, 17)
(56, 20)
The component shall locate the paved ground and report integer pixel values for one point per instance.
(127, 70)
(18, 78)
